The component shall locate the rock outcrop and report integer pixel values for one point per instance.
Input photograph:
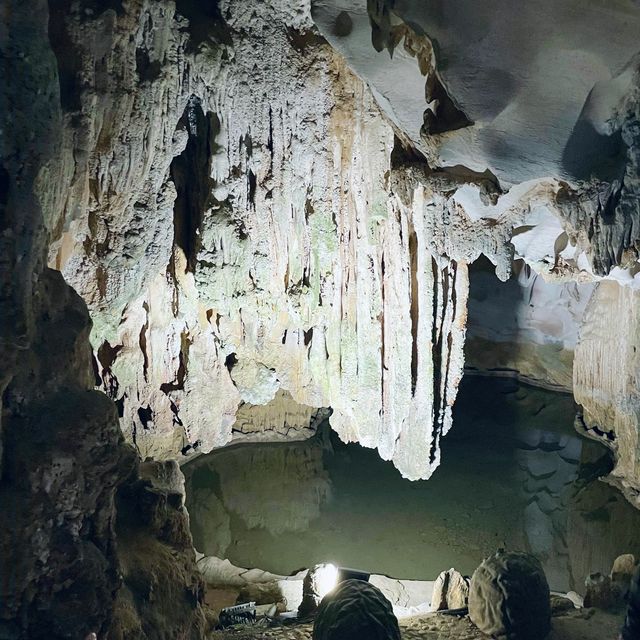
(67, 474)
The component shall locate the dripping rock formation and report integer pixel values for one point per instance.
(224, 221)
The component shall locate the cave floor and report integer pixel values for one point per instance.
(583, 624)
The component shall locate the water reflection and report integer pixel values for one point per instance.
(514, 474)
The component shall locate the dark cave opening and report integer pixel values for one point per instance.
(191, 175)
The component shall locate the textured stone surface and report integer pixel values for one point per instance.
(249, 230)
(604, 376)
(569, 155)
(237, 237)
(355, 609)
(509, 597)
(450, 591)
(66, 469)
(294, 235)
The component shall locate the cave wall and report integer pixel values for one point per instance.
(251, 222)
(238, 239)
(605, 378)
(67, 477)
(256, 218)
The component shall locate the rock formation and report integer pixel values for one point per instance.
(68, 478)
(240, 239)
(509, 597)
(450, 591)
(275, 205)
(355, 609)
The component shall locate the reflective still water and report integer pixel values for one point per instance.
(514, 474)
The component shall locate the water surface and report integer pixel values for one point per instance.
(514, 474)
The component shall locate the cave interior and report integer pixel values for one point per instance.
(320, 319)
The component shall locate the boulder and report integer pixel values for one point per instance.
(601, 593)
(450, 591)
(355, 610)
(509, 597)
(622, 572)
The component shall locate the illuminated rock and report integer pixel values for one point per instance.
(320, 580)
(450, 591)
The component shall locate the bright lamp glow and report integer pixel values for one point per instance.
(326, 579)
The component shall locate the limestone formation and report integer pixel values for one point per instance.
(282, 265)
(356, 609)
(296, 234)
(509, 597)
(68, 478)
(604, 372)
(571, 211)
(269, 217)
(450, 591)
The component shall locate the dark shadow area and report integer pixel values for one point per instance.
(589, 154)
(191, 175)
(447, 116)
(492, 326)
(206, 23)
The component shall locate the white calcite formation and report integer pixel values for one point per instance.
(266, 224)
(605, 373)
(282, 265)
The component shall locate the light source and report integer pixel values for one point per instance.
(320, 580)
(326, 579)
